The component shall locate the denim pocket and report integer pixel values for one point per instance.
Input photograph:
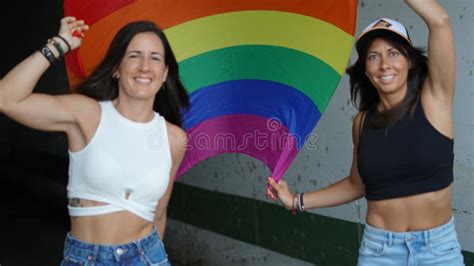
(445, 246)
(369, 247)
(156, 255)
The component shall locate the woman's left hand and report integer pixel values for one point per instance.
(72, 30)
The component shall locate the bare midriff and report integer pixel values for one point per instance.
(411, 213)
(107, 229)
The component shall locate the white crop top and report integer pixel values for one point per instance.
(126, 165)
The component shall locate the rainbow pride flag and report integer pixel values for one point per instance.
(259, 73)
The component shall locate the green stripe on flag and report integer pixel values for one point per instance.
(299, 70)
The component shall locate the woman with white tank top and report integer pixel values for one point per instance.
(124, 137)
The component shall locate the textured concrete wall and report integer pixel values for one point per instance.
(243, 176)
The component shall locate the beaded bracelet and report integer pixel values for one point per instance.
(66, 42)
(294, 204)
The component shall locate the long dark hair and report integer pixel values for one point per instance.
(100, 85)
(364, 96)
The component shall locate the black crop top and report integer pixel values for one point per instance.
(409, 157)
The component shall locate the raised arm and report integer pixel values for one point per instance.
(40, 111)
(441, 54)
(346, 190)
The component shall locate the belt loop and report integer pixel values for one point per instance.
(139, 247)
(426, 237)
(95, 253)
(390, 238)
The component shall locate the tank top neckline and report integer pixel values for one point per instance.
(128, 121)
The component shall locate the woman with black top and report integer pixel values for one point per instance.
(403, 145)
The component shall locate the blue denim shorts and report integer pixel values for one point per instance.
(145, 251)
(436, 246)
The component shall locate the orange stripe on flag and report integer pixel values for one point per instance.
(169, 13)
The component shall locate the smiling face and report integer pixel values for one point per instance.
(142, 70)
(387, 68)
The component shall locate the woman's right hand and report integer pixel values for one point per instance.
(72, 30)
(280, 190)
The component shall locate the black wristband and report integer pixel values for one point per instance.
(301, 205)
(46, 52)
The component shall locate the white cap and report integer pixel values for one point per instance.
(385, 24)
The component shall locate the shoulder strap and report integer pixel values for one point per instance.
(361, 122)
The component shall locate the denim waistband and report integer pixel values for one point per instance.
(426, 236)
(107, 252)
